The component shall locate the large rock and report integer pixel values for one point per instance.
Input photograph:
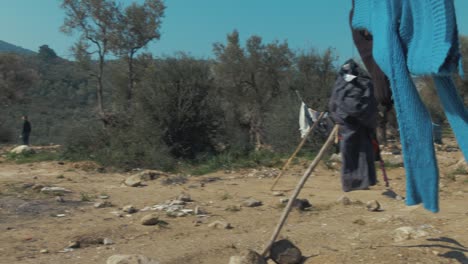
(407, 232)
(149, 175)
(133, 181)
(151, 219)
(23, 149)
(248, 257)
(130, 259)
(373, 206)
(285, 252)
(336, 158)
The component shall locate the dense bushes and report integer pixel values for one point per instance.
(188, 109)
(239, 109)
(6, 135)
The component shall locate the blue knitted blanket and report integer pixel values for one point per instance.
(417, 37)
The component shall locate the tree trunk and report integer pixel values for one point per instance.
(256, 131)
(131, 81)
(99, 93)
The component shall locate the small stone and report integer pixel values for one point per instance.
(285, 252)
(130, 209)
(233, 208)
(103, 197)
(117, 213)
(185, 197)
(44, 251)
(359, 222)
(399, 198)
(27, 185)
(373, 206)
(59, 199)
(149, 175)
(284, 200)
(220, 225)
(145, 209)
(177, 202)
(133, 181)
(248, 257)
(199, 211)
(302, 204)
(151, 219)
(66, 250)
(107, 241)
(54, 190)
(60, 215)
(277, 194)
(37, 187)
(74, 244)
(251, 203)
(344, 200)
(103, 204)
(435, 252)
(176, 214)
(130, 259)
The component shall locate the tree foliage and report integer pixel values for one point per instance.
(106, 27)
(138, 25)
(16, 76)
(46, 54)
(96, 21)
(252, 76)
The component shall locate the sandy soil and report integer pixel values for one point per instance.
(328, 233)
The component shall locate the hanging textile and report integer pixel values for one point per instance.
(417, 37)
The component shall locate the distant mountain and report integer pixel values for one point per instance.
(7, 47)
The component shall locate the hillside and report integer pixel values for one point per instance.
(8, 47)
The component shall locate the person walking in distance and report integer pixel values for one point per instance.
(26, 130)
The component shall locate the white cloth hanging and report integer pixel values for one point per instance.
(306, 119)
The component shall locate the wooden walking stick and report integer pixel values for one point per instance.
(299, 147)
(301, 183)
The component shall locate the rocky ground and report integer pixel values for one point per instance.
(64, 212)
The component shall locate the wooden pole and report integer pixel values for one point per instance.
(301, 183)
(299, 147)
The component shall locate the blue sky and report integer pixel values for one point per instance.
(194, 25)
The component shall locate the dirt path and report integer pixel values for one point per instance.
(329, 233)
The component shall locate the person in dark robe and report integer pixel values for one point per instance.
(26, 130)
(354, 107)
